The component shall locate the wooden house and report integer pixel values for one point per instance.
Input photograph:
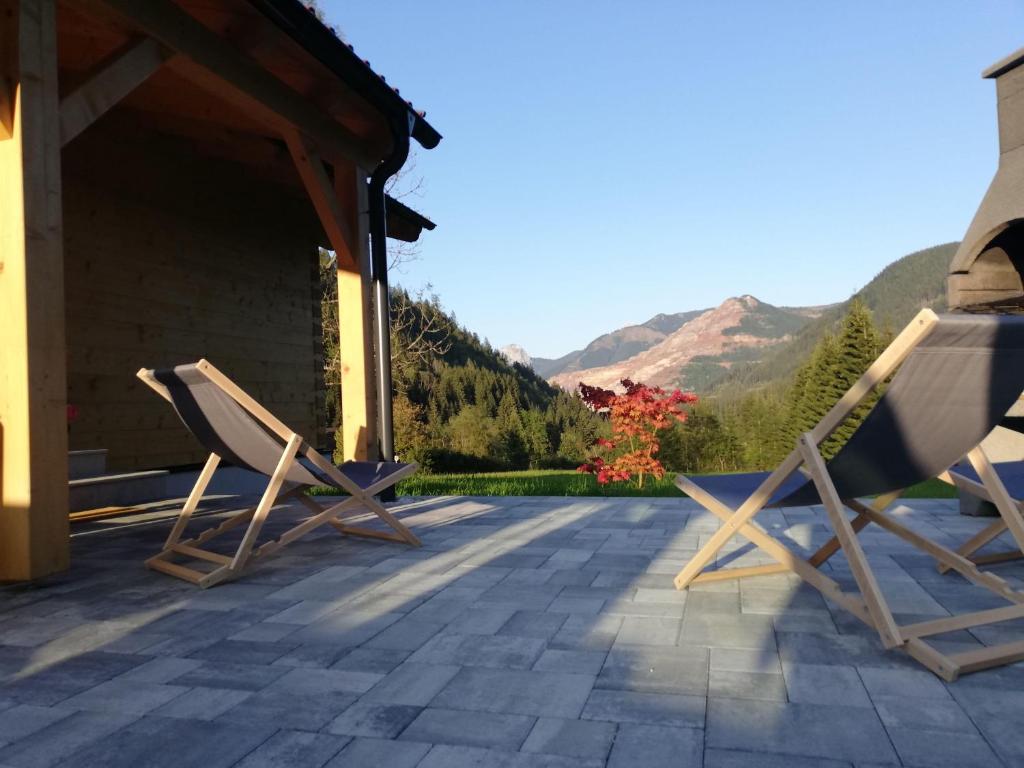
(168, 171)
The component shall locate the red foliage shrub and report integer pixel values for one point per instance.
(637, 416)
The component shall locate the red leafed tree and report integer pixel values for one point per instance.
(637, 417)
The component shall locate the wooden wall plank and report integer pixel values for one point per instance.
(33, 436)
(188, 260)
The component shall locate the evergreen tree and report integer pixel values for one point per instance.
(859, 345)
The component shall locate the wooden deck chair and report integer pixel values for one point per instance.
(235, 428)
(1002, 484)
(955, 378)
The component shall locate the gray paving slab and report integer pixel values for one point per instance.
(826, 684)
(201, 703)
(540, 694)
(576, 662)
(21, 720)
(380, 753)
(243, 677)
(656, 747)
(282, 709)
(571, 738)
(845, 733)
(313, 682)
(940, 749)
(413, 683)
(473, 729)
(449, 756)
(644, 630)
(370, 719)
(61, 740)
(746, 685)
(502, 651)
(646, 708)
(166, 743)
(910, 683)
(541, 625)
(378, 660)
(130, 697)
(731, 758)
(656, 669)
(286, 749)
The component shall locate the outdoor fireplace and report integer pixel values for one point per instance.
(986, 272)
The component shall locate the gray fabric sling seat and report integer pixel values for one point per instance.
(953, 379)
(1011, 473)
(235, 428)
(225, 428)
(954, 388)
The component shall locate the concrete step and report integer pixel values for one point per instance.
(87, 463)
(117, 490)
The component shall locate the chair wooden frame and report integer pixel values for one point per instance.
(993, 490)
(247, 553)
(870, 606)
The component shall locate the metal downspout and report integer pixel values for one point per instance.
(381, 299)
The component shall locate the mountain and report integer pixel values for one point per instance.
(516, 354)
(700, 349)
(616, 346)
(894, 296)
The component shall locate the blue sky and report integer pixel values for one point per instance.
(606, 161)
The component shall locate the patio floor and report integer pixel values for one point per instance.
(525, 632)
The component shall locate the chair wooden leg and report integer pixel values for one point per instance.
(194, 497)
(737, 520)
(884, 622)
(976, 542)
(1007, 507)
(858, 524)
(378, 509)
(268, 500)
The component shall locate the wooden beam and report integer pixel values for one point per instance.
(355, 322)
(109, 82)
(8, 65)
(34, 533)
(318, 186)
(215, 65)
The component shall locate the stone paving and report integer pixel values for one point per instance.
(525, 632)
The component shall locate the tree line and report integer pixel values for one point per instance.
(459, 405)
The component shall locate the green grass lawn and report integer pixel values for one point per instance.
(569, 483)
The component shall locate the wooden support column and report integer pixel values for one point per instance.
(343, 209)
(355, 321)
(34, 538)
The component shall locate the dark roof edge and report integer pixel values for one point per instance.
(292, 17)
(403, 211)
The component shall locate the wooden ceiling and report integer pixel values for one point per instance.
(181, 98)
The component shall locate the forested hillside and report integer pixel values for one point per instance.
(893, 296)
(459, 404)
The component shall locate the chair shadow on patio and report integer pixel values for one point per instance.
(526, 631)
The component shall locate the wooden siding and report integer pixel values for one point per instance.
(171, 256)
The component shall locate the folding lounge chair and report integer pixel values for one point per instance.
(957, 377)
(235, 428)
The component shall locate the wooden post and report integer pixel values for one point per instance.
(344, 215)
(34, 539)
(355, 338)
